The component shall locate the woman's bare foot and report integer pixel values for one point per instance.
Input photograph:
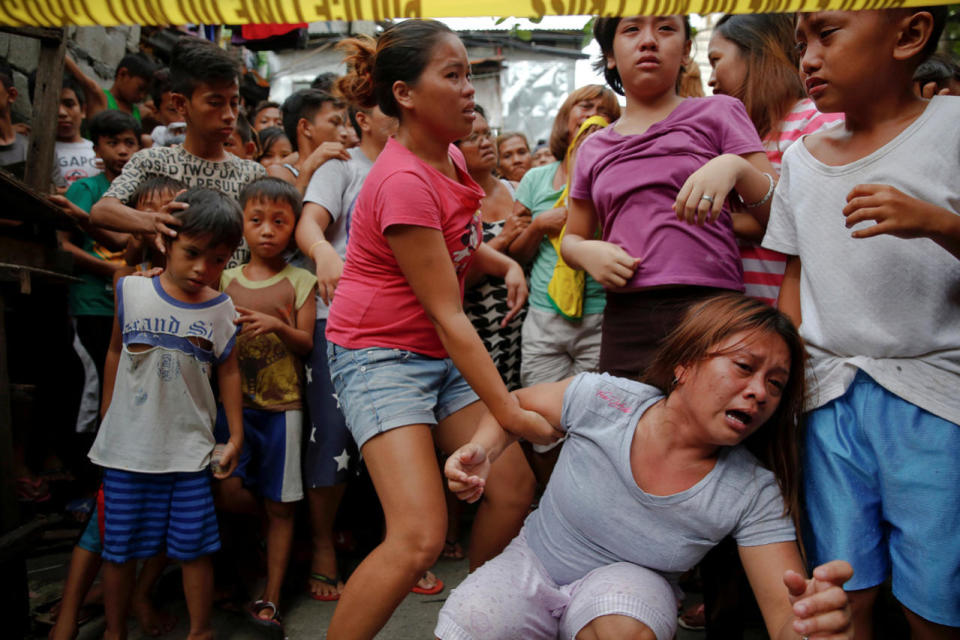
(153, 621)
(324, 583)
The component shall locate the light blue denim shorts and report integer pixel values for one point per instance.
(381, 389)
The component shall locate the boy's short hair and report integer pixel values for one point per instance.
(159, 85)
(304, 104)
(112, 123)
(325, 81)
(152, 185)
(6, 73)
(69, 82)
(210, 213)
(273, 190)
(263, 104)
(138, 65)
(937, 68)
(194, 61)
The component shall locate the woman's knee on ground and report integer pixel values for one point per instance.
(616, 627)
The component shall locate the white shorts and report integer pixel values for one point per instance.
(512, 596)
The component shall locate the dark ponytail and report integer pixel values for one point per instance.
(401, 53)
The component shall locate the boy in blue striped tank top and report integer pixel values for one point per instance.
(156, 440)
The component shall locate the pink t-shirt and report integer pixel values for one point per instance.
(633, 181)
(374, 305)
(762, 268)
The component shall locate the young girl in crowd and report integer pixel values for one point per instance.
(656, 183)
(652, 476)
(274, 147)
(398, 339)
(556, 345)
(754, 59)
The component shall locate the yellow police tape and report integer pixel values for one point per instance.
(157, 12)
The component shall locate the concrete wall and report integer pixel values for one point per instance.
(97, 50)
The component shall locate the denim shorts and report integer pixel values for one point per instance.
(381, 389)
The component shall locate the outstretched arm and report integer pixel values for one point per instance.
(793, 605)
(900, 215)
(424, 259)
(467, 467)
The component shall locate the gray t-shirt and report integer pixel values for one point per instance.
(593, 513)
(162, 413)
(885, 305)
(228, 176)
(13, 158)
(334, 186)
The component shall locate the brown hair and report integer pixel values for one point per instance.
(690, 84)
(559, 135)
(507, 135)
(772, 84)
(707, 324)
(401, 53)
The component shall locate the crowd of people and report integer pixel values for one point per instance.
(598, 339)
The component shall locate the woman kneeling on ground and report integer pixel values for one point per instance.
(651, 477)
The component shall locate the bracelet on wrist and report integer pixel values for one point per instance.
(766, 197)
(311, 248)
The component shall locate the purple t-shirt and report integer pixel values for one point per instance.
(633, 181)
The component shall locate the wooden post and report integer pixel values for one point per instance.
(46, 102)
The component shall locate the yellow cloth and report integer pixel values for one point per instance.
(567, 284)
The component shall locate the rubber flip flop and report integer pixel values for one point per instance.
(332, 582)
(432, 591)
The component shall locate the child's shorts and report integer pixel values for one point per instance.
(92, 537)
(512, 596)
(146, 514)
(269, 463)
(330, 454)
(882, 484)
(382, 389)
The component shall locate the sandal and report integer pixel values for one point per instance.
(331, 582)
(428, 591)
(694, 618)
(273, 624)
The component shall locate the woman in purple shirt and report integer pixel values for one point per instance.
(656, 183)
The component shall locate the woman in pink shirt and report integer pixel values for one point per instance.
(404, 357)
(655, 184)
